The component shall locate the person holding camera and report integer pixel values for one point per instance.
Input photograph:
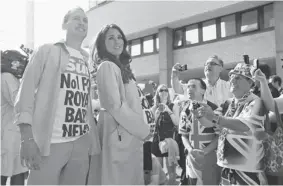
(166, 118)
(200, 142)
(239, 152)
(217, 90)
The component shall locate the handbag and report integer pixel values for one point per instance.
(273, 146)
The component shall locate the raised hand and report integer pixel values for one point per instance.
(259, 75)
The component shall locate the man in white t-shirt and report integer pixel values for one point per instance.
(57, 141)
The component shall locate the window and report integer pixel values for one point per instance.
(228, 26)
(249, 21)
(268, 16)
(209, 30)
(136, 47)
(178, 38)
(192, 35)
(157, 43)
(148, 44)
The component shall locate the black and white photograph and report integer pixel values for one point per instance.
(141, 92)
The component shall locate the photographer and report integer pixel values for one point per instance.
(166, 118)
(217, 90)
(200, 142)
(239, 153)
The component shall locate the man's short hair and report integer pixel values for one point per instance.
(67, 15)
(202, 83)
(218, 59)
(275, 79)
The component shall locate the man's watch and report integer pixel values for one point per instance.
(216, 119)
(24, 140)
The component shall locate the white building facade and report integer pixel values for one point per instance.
(162, 33)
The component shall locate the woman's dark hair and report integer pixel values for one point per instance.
(99, 53)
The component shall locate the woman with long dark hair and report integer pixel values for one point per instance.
(166, 117)
(121, 122)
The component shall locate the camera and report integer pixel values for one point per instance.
(183, 68)
(246, 59)
(255, 66)
(161, 107)
(196, 105)
(256, 63)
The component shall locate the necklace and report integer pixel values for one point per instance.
(234, 107)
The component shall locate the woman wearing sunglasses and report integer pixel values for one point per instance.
(166, 118)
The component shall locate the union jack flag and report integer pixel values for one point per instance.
(199, 135)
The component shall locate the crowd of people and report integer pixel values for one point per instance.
(54, 133)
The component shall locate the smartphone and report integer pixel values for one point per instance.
(246, 59)
(196, 105)
(183, 68)
(256, 64)
(161, 107)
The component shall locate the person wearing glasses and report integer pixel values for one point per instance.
(166, 118)
(217, 90)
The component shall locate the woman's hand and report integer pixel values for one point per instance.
(150, 135)
(157, 113)
(167, 109)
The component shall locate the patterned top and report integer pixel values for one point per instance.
(218, 93)
(189, 126)
(240, 150)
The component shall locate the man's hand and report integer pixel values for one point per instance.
(197, 156)
(205, 111)
(176, 69)
(259, 75)
(30, 155)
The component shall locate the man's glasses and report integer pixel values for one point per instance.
(163, 90)
(212, 64)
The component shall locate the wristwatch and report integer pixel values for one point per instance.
(216, 119)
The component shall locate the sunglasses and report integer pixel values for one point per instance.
(163, 90)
